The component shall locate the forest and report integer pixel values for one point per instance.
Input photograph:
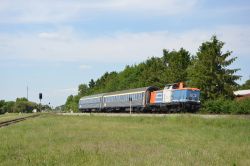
(209, 70)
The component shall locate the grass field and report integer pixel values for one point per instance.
(10, 116)
(92, 140)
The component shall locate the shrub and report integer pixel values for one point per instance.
(225, 106)
(243, 106)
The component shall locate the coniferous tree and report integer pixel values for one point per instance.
(91, 83)
(209, 71)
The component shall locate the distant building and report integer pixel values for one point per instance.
(242, 94)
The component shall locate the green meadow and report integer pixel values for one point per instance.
(96, 140)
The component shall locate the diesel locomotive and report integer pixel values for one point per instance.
(173, 98)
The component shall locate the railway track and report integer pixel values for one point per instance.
(13, 121)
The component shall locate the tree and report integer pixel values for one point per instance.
(91, 84)
(21, 99)
(83, 90)
(9, 106)
(2, 104)
(246, 85)
(209, 71)
(176, 63)
(23, 105)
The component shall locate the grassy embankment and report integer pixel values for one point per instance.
(10, 116)
(73, 140)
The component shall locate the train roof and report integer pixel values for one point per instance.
(242, 92)
(144, 89)
(92, 96)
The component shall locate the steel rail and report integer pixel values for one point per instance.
(13, 121)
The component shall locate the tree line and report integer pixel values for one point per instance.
(20, 105)
(207, 70)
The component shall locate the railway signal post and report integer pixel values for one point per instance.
(40, 98)
(130, 104)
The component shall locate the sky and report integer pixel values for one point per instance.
(52, 46)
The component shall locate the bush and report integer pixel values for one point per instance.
(224, 106)
(243, 106)
(24, 106)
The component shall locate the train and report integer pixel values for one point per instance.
(172, 98)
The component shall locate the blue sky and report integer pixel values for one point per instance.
(52, 46)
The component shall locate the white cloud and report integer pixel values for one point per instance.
(64, 10)
(119, 47)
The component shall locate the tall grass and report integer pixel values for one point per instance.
(70, 140)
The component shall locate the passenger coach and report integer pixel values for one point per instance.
(117, 101)
(89, 103)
